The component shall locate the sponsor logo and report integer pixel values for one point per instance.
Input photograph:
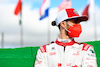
(92, 55)
(68, 64)
(43, 48)
(38, 62)
(91, 50)
(90, 66)
(76, 53)
(53, 48)
(90, 59)
(89, 62)
(59, 64)
(76, 12)
(75, 66)
(52, 53)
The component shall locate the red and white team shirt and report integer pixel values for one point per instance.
(66, 53)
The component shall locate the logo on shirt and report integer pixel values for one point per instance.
(91, 50)
(53, 48)
(52, 53)
(68, 64)
(77, 53)
(75, 66)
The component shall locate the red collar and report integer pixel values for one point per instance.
(65, 44)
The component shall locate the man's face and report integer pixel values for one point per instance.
(71, 23)
(67, 24)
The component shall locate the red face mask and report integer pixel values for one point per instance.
(74, 30)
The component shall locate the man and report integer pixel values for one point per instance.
(65, 52)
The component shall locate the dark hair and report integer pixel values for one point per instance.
(59, 26)
(54, 24)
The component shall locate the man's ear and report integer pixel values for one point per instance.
(63, 24)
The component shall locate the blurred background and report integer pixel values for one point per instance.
(31, 31)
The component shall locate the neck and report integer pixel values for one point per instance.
(63, 35)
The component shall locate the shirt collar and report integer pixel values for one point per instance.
(65, 42)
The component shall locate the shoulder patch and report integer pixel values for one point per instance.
(85, 46)
(43, 48)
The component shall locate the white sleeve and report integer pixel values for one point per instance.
(89, 59)
(40, 59)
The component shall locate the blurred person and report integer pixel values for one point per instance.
(65, 52)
